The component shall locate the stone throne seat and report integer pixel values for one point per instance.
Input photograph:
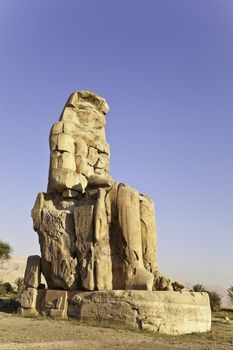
(95, 234)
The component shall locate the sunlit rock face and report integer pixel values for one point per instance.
(78, 145)
(98, 238)
(94, 233)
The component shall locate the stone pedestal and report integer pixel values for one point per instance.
(161, 311)
(165, 312)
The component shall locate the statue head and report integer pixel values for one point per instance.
(79, 151)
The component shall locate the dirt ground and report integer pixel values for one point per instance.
(17, 332)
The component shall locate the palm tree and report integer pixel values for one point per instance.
(230, 294)
(198, 288)
(19, 284)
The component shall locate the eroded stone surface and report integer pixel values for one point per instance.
(164, 312)
(99, 236)
(54, 303)
(28, 312)
(28, 298)
(78, 144)
(94, 233)
(32, 276)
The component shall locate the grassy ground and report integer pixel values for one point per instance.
(222, 314)
(43, 333)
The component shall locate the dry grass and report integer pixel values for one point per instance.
(44, 333)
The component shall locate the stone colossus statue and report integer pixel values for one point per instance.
(94, 233)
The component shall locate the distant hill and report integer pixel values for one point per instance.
(13, 268)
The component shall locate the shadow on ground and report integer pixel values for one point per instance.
(9, 306)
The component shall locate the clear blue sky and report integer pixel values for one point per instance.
(166, 69)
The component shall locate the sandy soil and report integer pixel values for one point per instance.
(17, 332)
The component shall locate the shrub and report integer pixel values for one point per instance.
(5, 251)
(8, 287)
(215, 301)
(2, 289)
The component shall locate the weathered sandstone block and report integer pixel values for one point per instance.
(165, 312)
(28, 312)
(55, 303)
(32, 276)
(28, 298)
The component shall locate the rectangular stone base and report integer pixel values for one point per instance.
(165, 312)
(160, 311)
(48, 302)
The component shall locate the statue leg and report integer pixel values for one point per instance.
(148, 231)
(128, 208)
(149, 247)
(102, 252)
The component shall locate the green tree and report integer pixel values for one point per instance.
(19, 284)
(5, 251)
(8, 287)
(215, 301)
(198, 288)
(230, 294)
